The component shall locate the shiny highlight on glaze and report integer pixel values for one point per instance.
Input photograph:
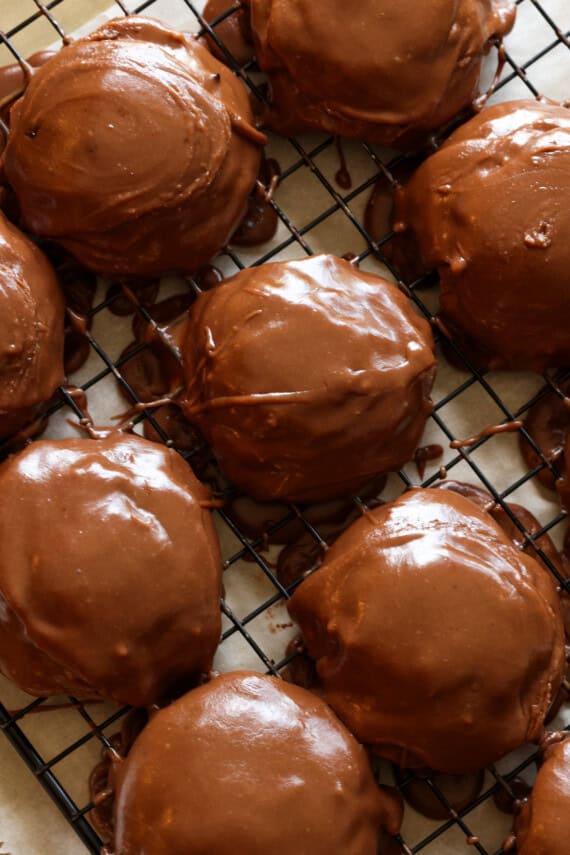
(436, 641)
(307, 377)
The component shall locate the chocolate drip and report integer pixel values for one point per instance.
(547, 422)
(102, 777)
(166, 315)
(304, 554)
(180, 434)
(79, 286)
(145, 294)
(261, 220)
(86, 423)
(234, 31)
(492, 430)
(457, 790)
(509, 797)
(207, 277)
(301, 669)
(402, 249)
(147, 372)
(426, 453)
(388, 845)
(342, 176)
(153, 373)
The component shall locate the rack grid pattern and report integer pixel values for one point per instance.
(296, 238)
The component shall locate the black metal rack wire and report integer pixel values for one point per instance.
(303, 157)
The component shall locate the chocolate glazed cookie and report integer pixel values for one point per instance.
(110, 571)
(387, 72)
(134, 148)
(248, 764)
(307, 377)
(436, 641)
(491, 211)
(543, 825)
(31, 329)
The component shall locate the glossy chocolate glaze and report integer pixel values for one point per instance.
(401, 249)
(303, 553)
(13, 80)
(260, 222)
(486, 502)
(109, 571)
(373, 69)
(307, 378)
(543, 825)
(154, 373)
(148, 372)
(436, 641)
(425, 454)
(548, 423)
(31, 330)
(134, 148)
(253, 765)
(490, 210)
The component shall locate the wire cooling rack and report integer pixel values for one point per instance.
(314, 215)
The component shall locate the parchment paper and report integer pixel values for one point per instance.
(29, 824)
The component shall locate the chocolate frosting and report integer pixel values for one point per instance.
(373, 69)
(307, 377)
(31, 329)
(134, 148)
(437, 642)
(13, 79)
(543, 825)
(247, 764)
(491, 211)
(548, 423)
(109, 571)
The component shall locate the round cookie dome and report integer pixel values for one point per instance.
(31, 329)
(307, 377)
(543, 825)
(490, 210)
(373, 69)
(135, 149)
(110, 572)
(248, 764)
(436, 641)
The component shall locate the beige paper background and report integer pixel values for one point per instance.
(29, 824)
